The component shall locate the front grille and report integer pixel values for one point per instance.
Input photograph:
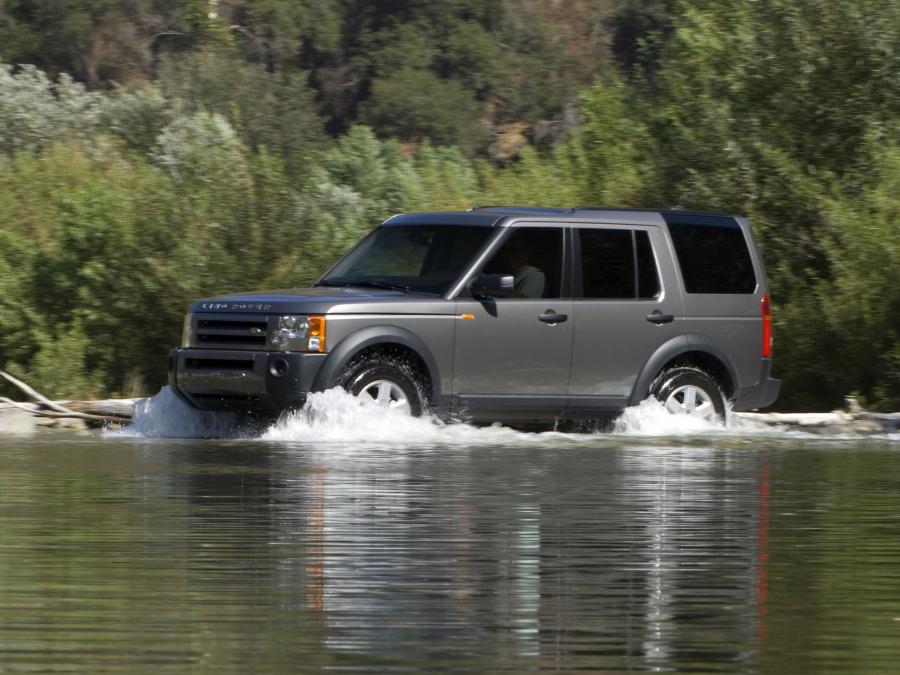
(231, 331)
(213, 338)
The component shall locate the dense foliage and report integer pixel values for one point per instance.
(155, 152)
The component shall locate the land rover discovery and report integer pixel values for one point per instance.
(503, 314)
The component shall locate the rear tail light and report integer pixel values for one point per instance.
(767, 327)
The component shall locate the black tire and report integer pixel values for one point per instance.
(673, 385)
(367, 372)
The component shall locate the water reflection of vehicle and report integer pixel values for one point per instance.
(655, 559)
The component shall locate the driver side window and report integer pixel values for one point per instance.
(533, 257)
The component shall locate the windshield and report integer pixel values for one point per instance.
(417, 258)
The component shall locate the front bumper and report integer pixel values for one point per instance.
(214, 379)
(760, 395)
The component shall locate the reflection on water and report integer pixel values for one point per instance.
(600, 554)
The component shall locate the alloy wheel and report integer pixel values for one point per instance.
(691, 400)
(386, 394)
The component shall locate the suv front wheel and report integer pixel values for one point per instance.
(386, 383)
(685, 390)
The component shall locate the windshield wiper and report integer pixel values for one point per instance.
(366, 283)
(378, 283)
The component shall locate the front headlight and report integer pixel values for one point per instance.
(291, 333)
(187, 331)
(297, 333)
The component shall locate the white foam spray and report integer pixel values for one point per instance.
(650, 418)
(167, 416)
(336, 417)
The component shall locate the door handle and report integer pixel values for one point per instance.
(659, 318)
(552, 318)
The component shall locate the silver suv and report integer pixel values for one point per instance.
(503, 314)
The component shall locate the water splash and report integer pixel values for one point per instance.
(650, 418)
(167, 416)
(336, 417)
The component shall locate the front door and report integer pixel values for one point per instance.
(512, 355)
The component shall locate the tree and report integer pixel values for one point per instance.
(274, 110)
(416, 104)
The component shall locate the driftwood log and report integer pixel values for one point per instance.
(114, 411)
(847, 421)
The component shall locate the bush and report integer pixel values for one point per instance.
(35, 111)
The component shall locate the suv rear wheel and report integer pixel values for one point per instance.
(685, 390)
(386, 383)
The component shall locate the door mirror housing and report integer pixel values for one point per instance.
(493, 286)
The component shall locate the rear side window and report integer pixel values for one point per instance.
(713, 257)
(617, 264)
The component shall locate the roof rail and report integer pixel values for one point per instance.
(675, 207)
(614, 208)
(521, 209)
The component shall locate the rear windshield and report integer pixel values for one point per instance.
(713, 257)
(418, 258)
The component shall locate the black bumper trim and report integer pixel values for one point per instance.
(762, 394)
(215, 379)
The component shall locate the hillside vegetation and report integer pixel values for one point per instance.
(154, 151)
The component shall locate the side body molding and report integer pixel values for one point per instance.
(678, 345)
(367, 337)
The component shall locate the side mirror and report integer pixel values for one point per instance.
(493, 286)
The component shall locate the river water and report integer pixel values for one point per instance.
(352, 540)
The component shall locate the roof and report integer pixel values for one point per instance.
(490, 216)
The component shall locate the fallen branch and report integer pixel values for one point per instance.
(31, 393)
(116, 407)
(54, 409)
(888, 422)
(34, 409)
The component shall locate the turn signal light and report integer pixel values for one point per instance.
(316, 333)
(766, 327)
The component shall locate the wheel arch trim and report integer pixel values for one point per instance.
(678, 346)
(372, 336)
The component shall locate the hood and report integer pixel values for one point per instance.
(318, 300)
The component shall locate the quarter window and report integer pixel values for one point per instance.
(713, 257)
(617, 264)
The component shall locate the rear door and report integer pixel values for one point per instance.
(626, 306)
(512, 355)
(723, 289)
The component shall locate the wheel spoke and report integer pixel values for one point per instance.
(384, 393)
(674, 406)
(705, 410)
(690, 399)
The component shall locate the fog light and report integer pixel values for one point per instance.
(279, 368)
